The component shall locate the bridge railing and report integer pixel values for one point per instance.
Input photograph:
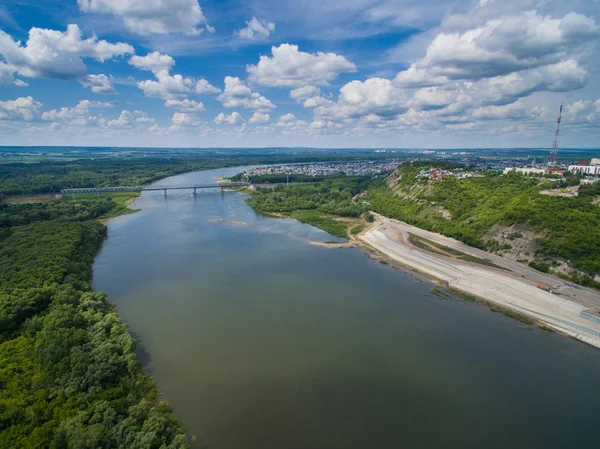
(152, 188)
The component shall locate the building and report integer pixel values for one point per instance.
(592, 170)
(525, 170)
(595, 161)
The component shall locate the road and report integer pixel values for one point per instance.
(514, 287)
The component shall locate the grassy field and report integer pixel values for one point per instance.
(322, 221)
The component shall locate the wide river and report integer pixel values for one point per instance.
(260, 340)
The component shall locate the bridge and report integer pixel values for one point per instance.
(151, 188)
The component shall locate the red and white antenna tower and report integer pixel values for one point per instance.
(554, 152)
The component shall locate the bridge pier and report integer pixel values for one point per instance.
(222, 190)
(195, 191)
(165, 193)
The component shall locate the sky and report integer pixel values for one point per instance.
(310, 73)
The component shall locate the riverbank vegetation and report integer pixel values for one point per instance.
(69, 376)
(568, 229)
(328, 205)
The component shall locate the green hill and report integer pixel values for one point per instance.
(505, 214)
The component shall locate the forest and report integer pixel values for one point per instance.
(69, 376)
(571, 226)
(315, 204)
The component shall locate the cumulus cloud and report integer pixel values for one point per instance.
(375, 96)
(259, 117)
(7, 76)
(564, 76)
(156, 62)
(476, 71)
(514, 111)
(238, 95)
(124, 121)
(21, 109)
(153, 17)
(204, 87)
(79, 115)
(256, 30)
(56, 54)
(290, 123)
(185, 120)
(168, 86)
(289, 67)
(501, 46)
(99, 84)
(304, 93)
(185, 105)
(232, 119)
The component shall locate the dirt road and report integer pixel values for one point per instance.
(514, 287)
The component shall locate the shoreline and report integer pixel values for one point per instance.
(506, 291)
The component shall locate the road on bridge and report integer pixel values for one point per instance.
(193, 187)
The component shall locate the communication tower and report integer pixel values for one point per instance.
(554, 152)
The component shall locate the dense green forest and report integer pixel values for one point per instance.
(571, 226)
(69, 376)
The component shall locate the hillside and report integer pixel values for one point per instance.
(504, 214)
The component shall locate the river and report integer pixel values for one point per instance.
(261, 341)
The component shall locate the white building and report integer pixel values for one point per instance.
(585, 169)
(595, 161)
(524, 170)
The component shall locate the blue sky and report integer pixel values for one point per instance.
(323, 73)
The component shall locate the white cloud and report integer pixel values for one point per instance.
(377, 96)
(152, 16)
(185, 105)
(289, 67)
(185, 120)
(23, 108)
(99, 84)
(204, 87)
(514, 111)
(314, 102)
(7, 76)
(168, 86)
(124, 121)
(156, 62)
(564, 76)
(143, 117)
(238, 95)
(55, 54)
(501, 46)
(78, 115)
(304, 93)
(289, 123)
(431, 98)
(232, 119)
(259, 117)
(256, 30)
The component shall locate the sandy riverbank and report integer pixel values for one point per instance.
(513, 286)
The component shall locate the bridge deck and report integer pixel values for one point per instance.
(153, 188)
